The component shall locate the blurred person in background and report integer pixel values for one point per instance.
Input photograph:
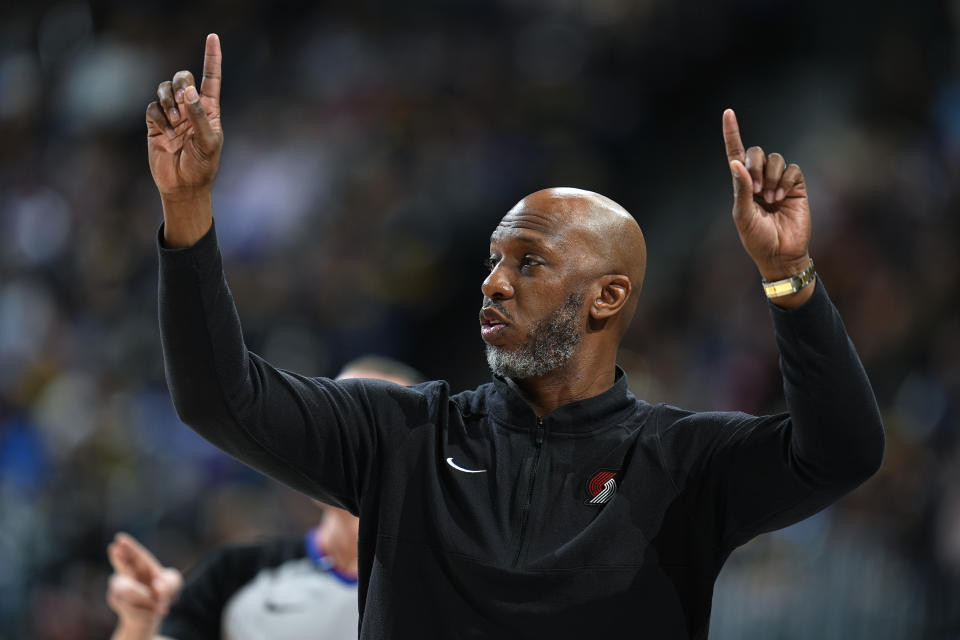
(284, 589)
(493, 513)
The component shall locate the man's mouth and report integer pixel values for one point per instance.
(492, 323)
(490, 331)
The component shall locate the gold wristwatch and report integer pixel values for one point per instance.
(787, 286)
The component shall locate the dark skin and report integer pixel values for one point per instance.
(553, 243)
(771, 211)
(184, 141)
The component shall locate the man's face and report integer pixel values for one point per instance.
(532, 317)
(549, 345)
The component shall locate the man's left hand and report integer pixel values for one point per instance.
(770, 209)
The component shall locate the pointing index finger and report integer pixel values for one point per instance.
(731, 136)
(212, 58)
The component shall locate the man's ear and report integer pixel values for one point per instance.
(614, 290)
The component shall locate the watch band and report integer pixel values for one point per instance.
(787, 286)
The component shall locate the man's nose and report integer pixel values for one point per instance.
(497, 285)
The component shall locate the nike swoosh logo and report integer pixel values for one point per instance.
(279, 607)
(459, 468)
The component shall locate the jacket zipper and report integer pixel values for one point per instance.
(525, 511)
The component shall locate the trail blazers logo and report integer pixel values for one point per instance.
(601, 487)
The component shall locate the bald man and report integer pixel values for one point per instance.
(550, 502)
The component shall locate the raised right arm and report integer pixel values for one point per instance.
(317, 435)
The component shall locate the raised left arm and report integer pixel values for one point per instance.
(768, 472)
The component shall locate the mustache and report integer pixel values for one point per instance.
(496, 306)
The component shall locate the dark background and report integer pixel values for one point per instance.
(370, 149)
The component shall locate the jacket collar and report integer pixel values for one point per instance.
(577, 418)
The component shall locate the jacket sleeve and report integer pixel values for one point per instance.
(316, 435)
(747, 474)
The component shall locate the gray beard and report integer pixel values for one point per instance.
(548, 347)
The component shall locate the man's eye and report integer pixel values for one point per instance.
(490, 263)
(527, 261)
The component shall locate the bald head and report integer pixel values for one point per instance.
(601, 230)
(566, 266)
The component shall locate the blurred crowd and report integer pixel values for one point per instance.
(370, 149)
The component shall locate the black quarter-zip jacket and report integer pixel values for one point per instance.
(480, 520)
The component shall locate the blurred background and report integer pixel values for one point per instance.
(370, 149)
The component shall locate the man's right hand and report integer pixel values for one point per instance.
(184, 140)
(140, 590)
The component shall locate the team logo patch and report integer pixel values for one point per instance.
(601, 487)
